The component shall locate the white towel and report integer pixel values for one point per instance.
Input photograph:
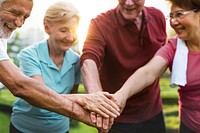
(179, 66)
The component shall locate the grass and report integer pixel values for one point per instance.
(82, 128)
(170, 104)
(170, 108)
(4, 122)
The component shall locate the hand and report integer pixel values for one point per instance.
(120, 100)
(103, 124)
(99, 103)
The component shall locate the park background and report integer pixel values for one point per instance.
(32, 32)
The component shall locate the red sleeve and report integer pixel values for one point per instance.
(168, 51)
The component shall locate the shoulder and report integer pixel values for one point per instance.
(32, 50)
(154, 15)
(72, 55)
(169, 47)
(153, 11)
(172, 42)
(105, 17)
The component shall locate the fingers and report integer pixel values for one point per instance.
(93, 117)
(106, 109)
(99, 121)
(111, 121)
(107, 105)
(97, 111)
(110, 102)
(104, 124)
(100, 104)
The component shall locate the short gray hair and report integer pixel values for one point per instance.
(61, 11)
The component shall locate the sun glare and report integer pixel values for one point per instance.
(88, 9)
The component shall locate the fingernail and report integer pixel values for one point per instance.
(105, 127)
(99, 124)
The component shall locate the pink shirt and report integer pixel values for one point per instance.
(189, 95)
(119, 49)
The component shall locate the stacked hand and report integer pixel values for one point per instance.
(105, 123)
(103, 107)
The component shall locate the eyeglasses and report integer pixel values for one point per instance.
(179, 14)
(135, 1)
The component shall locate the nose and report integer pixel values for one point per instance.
(19, 21)
(173, 20)
(70, 37)
(129, 2)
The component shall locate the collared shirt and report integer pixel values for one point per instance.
(119, 49)
(35, 60)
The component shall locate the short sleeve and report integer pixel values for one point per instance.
(29, 62)
(3, 50)
(168, 51)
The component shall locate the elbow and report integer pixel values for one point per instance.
(17, 87)
(148, 76)
(17, 92)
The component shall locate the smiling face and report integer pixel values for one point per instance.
(13, 14)
(62, 35)
(188, 25)
(130, 9)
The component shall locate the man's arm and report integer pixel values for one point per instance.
(90, 76)
(37, 94)
(92, 84)
(30, 89)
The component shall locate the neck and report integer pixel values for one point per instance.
(56, 56)
(138, 21)
(193, 45)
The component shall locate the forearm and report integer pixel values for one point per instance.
(31, 90)
(135, 83)
(143, 77)
(90, 76)
(46, 98)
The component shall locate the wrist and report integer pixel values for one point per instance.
(72, 114)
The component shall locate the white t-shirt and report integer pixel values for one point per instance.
(3, 50)
(3, 53)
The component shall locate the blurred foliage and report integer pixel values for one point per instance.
(14, 46)
(170, 105)
(4, 122)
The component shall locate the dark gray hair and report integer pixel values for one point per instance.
(186, 4)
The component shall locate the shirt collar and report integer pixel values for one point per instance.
(43, 53)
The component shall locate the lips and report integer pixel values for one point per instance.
(129, 9)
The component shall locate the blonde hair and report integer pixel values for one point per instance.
(61, 12)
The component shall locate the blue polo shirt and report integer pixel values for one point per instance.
(35, 60)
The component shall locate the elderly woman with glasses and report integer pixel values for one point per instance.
(182, 55)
